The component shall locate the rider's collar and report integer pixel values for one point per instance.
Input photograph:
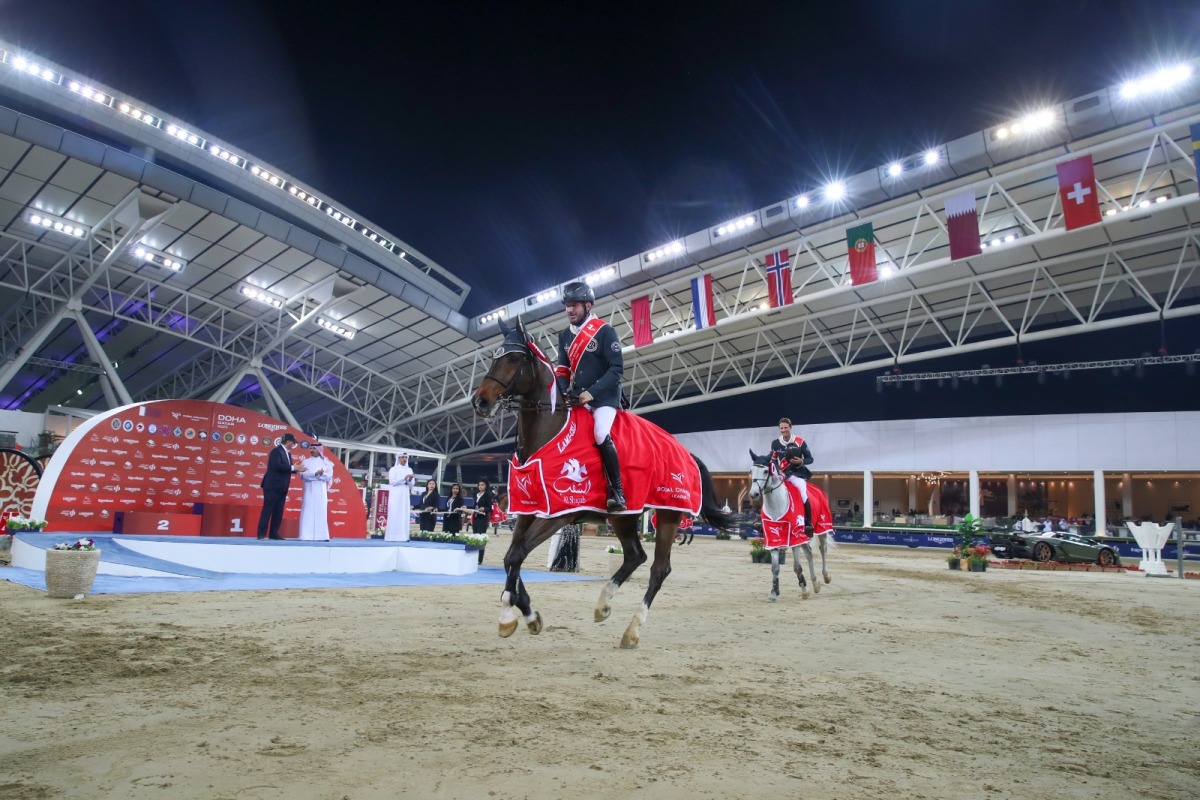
(575, 328)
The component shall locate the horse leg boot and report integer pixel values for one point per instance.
(612, 474)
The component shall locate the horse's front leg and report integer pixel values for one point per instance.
(659, 571)
(812, 569)
(804, 592)
(635, 556)
(774, 595)
(528, 533)
(822, 539)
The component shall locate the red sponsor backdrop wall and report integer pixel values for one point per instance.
(166, 456)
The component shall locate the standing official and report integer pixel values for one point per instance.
(400, 483)
(590, 366)
(317, 473)
(275, 484)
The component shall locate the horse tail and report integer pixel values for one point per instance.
(710, 512)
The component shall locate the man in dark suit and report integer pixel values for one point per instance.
(275, 486)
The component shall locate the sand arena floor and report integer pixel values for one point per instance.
(902, 679)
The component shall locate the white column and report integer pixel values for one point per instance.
(1100, 502)
(1127, 495)
(912, 494)
(868, 499)
(1012, 495)
(973, 491)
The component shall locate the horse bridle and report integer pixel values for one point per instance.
(762, 490)
(510, 402)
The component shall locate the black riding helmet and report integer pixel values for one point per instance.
(578, 292)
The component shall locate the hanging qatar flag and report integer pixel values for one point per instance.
(1077, 192)
(963, 224)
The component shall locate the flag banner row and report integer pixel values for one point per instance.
(1077, 193)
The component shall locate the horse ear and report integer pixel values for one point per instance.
(504, 327)
(752, 456)
(521, 329)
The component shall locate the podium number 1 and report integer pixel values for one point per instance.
(235, 525)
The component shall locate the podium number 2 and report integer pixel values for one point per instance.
(163, 525)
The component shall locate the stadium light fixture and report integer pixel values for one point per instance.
(895, 169)
(600, 275)
(932, 156)
(340, 330)
(835, 191)
(149, 255)
(225, 155)
(736, 226)
(261, 295)
(138, 114)
(994, 240)
(544, 296)
(61, 225)
(1027, 125)
(1162, 80)
(671, 250)
(308, 197)
(492, 316)
(801, 201)
(30, 67)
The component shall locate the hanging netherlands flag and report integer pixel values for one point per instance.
(702, 302)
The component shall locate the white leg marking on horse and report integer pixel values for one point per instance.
(632, 634)
(604, 603)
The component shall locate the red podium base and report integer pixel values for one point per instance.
(147, 522)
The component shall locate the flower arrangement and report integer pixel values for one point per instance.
(81, 544)
(14, 524)
(469, 539)
(615, 549)
(977, 555)
(756, 544)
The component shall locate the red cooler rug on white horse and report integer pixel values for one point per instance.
(566, 476)
(788, 531)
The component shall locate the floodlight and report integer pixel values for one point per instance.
(739, 225)
(57, 224)
(835, 191)
(895, 169)
(801, 201)
(671, 250)
(157, 257)
(340, 330)
(932, 157)
(1160, 81)
(261, 295)
(492, 316)
(600, 275)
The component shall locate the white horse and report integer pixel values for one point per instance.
(768, 484)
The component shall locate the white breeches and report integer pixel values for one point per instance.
(602, 421)
(800, 484)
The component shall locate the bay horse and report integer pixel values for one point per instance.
(767, 482)
(520, 377)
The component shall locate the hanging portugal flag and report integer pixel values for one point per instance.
(643, 332)
(860, 241)
(1196, 146)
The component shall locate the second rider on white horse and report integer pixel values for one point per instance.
(794, 457)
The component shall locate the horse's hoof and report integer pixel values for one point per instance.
(535, 624)
(602, 613)
(805, 594)
(629, 641)
(507, 629)
(827, 577)
(816, 588)
(771, 598)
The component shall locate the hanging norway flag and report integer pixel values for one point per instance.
(702, 302)
(779, 278)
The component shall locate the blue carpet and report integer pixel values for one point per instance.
(117, 584)
(192, 579)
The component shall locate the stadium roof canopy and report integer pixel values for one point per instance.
(142, 258)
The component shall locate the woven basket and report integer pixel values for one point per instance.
(70, 573)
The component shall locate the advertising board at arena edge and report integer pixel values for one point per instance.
(167, 456)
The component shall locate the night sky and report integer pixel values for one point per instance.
(537, 141)
(521, 144)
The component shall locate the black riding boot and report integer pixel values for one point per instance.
(612, 474)
(808, 520)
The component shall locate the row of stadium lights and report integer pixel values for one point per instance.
(32, 68)
(66, 227)
(274, 301)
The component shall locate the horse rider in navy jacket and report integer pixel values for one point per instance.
(590, 366)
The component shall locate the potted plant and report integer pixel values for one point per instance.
(954, 560)
(759, 554)
(965, 534)
(20, 524)
(71, 568)
(977, 557)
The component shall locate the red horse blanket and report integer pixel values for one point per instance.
(788, 530)
(565, 475)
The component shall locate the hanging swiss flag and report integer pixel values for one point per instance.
(1077, 192)
(643, 333)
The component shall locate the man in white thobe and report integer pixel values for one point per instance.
(400, 483)
(317, 473)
